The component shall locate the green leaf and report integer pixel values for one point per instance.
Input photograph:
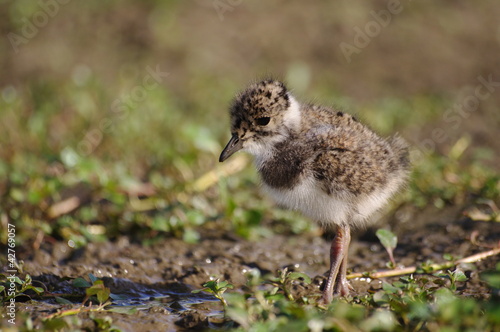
(448, 257)
(98, 286)
(61, 300)
(387, 238)
(299, 275)
(80, 282)
(38, 290)
(441, 275)
(222, 284)
(55, 324)
(212, 285)
(123, 310)
(190, 236)
(117, 297)
(275, 297)
(389, 288)
(99, 290)
(225, 285)
(93, 278)
(103, 295)
(239, 315)
(380, 297)
(92, 291)
(459, 275)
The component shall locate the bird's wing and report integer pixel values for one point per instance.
(341, 163)
(330, 137)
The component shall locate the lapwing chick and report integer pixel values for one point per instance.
(319, 161)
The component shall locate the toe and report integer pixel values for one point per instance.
(343, 288)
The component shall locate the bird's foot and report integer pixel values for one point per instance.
(342, 287)
(326, 299)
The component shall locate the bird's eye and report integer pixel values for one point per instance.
(263, 121)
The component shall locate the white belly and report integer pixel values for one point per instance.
(313, 202)
(335, 209)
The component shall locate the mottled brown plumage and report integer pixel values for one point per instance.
(317, 160)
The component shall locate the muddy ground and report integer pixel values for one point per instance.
(158, 279)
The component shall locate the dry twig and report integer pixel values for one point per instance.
(432, 267)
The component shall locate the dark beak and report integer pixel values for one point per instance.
(232, 146)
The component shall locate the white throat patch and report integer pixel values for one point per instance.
(293, 117)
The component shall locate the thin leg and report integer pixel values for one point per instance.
(342, 286)
(338, 265)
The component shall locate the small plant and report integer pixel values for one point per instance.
(97, 289)
(12, 287)
(454, 277)
(105, 324)
(389, 240)
(285, 279)
(68, 317)
(217, 288)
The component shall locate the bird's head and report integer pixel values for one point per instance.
(261, 116)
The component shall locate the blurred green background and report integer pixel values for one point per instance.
(83, 120)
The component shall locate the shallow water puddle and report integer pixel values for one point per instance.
(170, 303)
